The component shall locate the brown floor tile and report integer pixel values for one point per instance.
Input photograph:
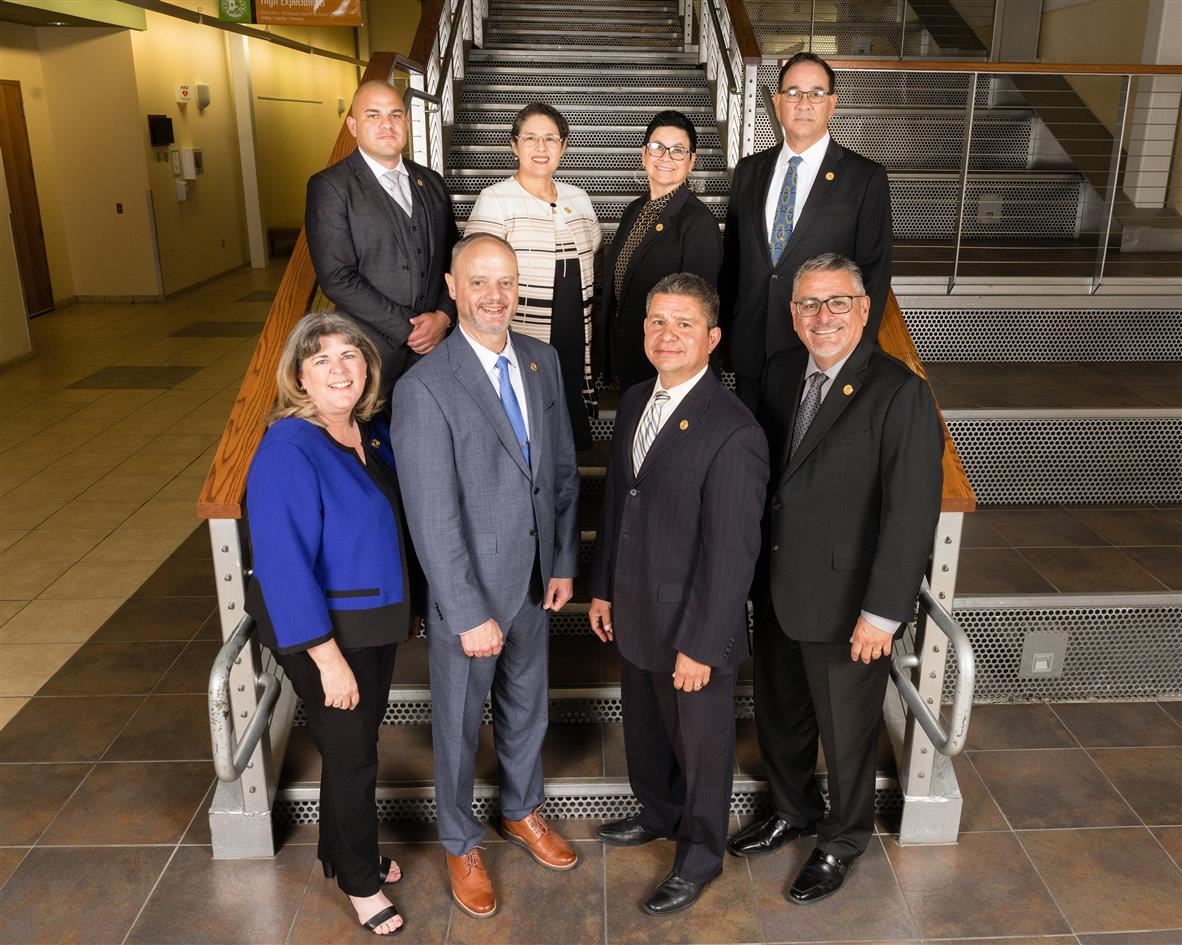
(979, 810)
(104, 890)
(143, 619)
(113, 669)
(137, 378)
(325, 916)
(978, 532)
(725, 913)
(1150, 780)
(99, 579)
(26, 579)
(1107, 880)
(66, 729)
(26, 668)
(190, 673)
(869, 906)
(210, 629)
(165, 728)
(1119, 724)
(132, 803)
(1172, 708)
(1133, 526)
(32, 796)
(1077, 796)
(1162, 937)
(981, 886)
(1171, 840)
(1042, 528)
(524, 889)
(992, 571)
(58, 621)
(1090, 570)
(1164, 562)
(10, 859)
(1016, 726)
(196, 546)
(198, 833)
(1023, 940)
(202, 900)
(181, 577)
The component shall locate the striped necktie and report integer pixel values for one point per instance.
(785, 210)
(646, 432)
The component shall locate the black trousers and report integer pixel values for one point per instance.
(348, 745)
(804, 690)
(680, 748)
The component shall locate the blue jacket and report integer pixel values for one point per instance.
(324, 536)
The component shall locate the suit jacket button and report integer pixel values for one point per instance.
(774, 277)
(633, 492)
(537, 490)
(776, 506)
(533, 532)
(775, 547)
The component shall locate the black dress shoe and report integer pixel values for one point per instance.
(767, 835)
(821, 876)
(629, 832)
(673, 895)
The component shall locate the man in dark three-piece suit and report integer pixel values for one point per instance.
(380, 230)
(791, 202)
(856, 446)
(486, 463)
(674, 558)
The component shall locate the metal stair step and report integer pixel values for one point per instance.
(638, 59)
(584, 113)
(588, 18)
(608, 207)
(589, 159)
(543, 73)
(569, 101)
(486, 134)
(473, 181)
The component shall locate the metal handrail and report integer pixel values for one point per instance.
(446, 58)
(720, 39)
(951, 742)
(408, 65)
(230, 759)
(409, 95)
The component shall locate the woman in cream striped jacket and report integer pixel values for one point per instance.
(553, 228)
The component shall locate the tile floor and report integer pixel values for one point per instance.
(1072, 832)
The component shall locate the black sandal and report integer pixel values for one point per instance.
(390, 912)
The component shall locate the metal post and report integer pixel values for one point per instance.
(240, 817)
(812, 24)
(970, 110)
(903, 33)
(687, 18)
(1122, 114)
(750, 107)
(931, 798)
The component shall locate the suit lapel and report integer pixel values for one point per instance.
(626, 423)
(419, 192)
(676, 202)
(531, 380)
(763, 182)
(818, 195)
(682, 423)
(471, 375)
(380, 198)
(833, 406)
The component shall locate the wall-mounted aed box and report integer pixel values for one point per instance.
(192, 163)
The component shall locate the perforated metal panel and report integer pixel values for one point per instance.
(681, 99)
(576, 160)
(925, 209)
(935, 142)
(543, 83)
(606, 209)
(1091, 460)
(610, 119)
(635, 183)
(1112, 653)
(580, 137)
(522, 40)
(1035, 334)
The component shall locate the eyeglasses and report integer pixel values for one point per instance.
(795, 95)
(532, 141)
(838, 305)
(658, 150)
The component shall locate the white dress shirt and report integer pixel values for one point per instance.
(488, 361)
(806, 173)
(380, 171)
(676, 396)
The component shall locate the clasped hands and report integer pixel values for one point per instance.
(487, 639)
(688, 674)
(427, 331)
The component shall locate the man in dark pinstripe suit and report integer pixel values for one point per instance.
(674, 557)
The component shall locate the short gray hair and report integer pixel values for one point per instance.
(830, 262)
(462, 245)
(291, 400)
(690, 285)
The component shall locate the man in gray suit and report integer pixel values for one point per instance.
(487, 465)
(380, 230)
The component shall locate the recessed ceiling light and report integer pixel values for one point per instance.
(57, 23)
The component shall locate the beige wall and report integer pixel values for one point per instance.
(204, 235)
(392, 24)
(98, 133)
(20, 61)
(14, 323)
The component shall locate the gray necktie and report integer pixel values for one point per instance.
(647, 431)
(399, 190)
(808, 409)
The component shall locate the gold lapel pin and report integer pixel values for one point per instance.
(830, 176)
(375, 443)
(567, 210)
(660, 227)
(684, 425)
(419, 181)
(848, 389)
(533, 366)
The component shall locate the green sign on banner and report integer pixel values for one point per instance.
(235, 11)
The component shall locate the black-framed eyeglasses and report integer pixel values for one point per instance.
(837, 304)
(658, 150)
(795, 95)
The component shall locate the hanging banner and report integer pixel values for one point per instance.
(308, 12)
(234, 11)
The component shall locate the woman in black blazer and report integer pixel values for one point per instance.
(330, 589)
(668, 231)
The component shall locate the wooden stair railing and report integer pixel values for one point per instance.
(895, 340)
(744, 33)
(225, 486)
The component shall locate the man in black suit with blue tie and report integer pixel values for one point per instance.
(789, 203)
(674, 557)
(380, 230)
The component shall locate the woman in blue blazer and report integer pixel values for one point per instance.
(330, 584)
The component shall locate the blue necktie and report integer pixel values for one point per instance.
(785, 210)
(512, 408)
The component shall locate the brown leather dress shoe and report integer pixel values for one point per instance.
(544, 844)
(471, 886)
